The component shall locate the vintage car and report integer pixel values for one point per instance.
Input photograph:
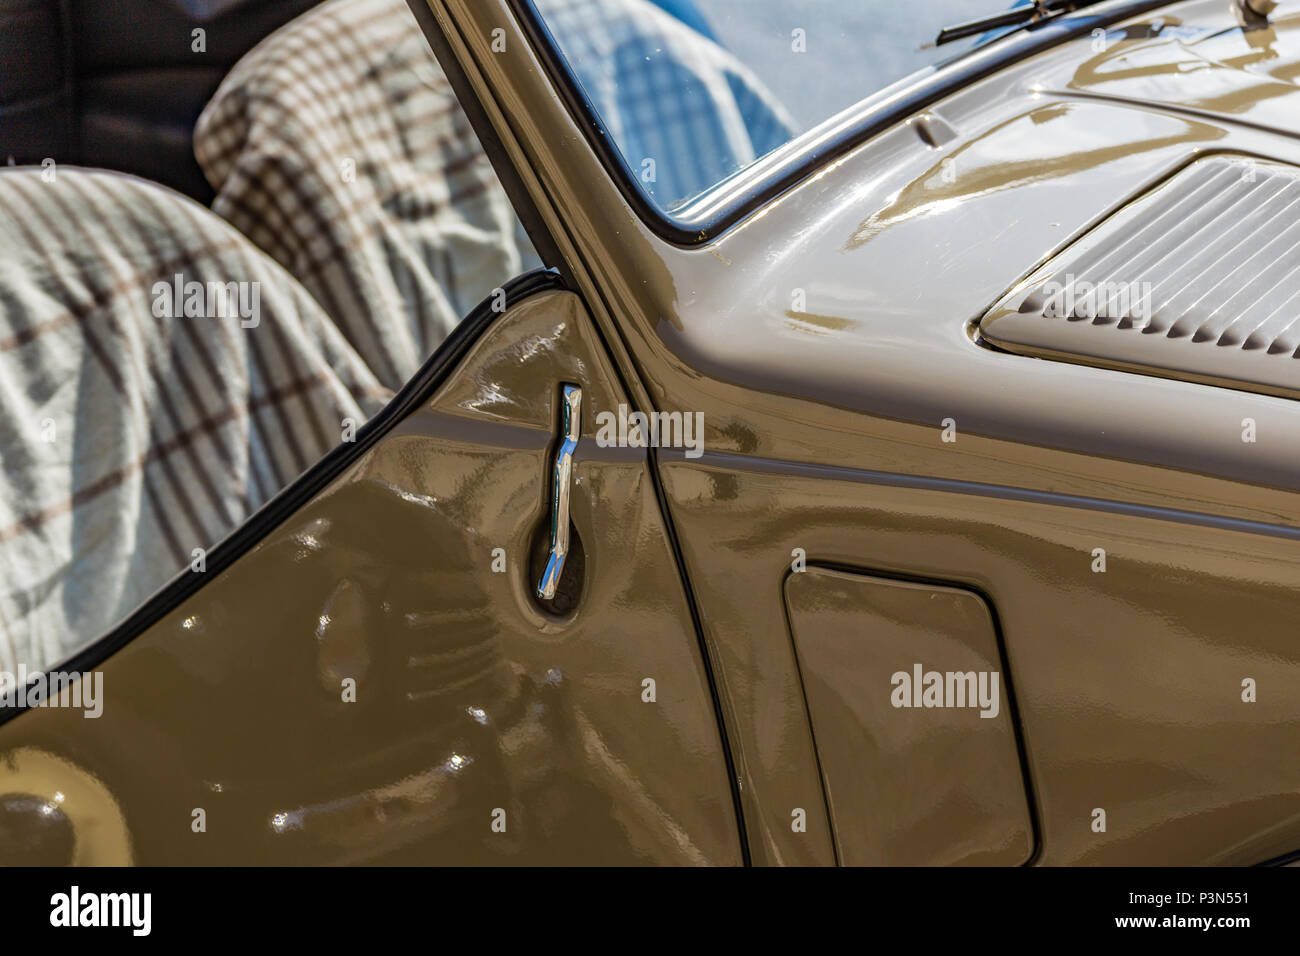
(906, 475)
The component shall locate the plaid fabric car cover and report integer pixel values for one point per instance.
(136, 423)
(337, 146)
(131, 438)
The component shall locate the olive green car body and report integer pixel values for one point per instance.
(879, 483)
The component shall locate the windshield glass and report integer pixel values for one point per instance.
(692, 91)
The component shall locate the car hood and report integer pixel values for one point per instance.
(1037, 153)
(862, 286)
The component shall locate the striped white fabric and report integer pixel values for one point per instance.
(338, 146)
(133, 431)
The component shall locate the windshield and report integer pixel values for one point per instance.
(691, 91)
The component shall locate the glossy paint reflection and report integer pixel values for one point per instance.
(1128, 684)
(364, 686)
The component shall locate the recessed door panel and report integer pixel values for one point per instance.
(912, 721)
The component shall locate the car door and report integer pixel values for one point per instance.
(881, 495)
(365, 672)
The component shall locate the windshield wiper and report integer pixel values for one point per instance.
(1016, 17)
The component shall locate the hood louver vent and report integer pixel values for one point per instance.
(1197, 279)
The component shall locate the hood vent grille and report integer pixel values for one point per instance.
(1197, 279)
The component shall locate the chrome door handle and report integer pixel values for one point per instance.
(571, 427)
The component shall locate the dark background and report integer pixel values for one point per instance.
(114, 83)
